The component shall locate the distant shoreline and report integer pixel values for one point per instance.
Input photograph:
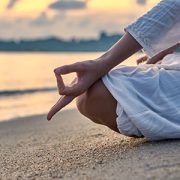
(38, 51)
(54, 44)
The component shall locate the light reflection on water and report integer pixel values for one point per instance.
(23, 71)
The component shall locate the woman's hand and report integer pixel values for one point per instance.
(158, 57)
(87, 73)
(162, 54)
(142, 59)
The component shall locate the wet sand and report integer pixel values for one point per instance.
(72, 147)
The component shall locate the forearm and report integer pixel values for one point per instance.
(123, 49)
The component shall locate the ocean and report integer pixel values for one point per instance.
(27, 83)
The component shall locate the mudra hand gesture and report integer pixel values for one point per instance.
(87, 74)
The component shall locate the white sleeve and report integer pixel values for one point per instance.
(159, 29)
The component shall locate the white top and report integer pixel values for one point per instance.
(148, 96)
(148, 99)
(159, 28)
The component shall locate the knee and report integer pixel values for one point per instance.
(81, 103)
(86, 104)
(98, 105)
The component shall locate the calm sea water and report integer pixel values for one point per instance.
(27, 83)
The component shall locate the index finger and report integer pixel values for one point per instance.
(61, 103)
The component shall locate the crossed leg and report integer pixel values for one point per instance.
(98, 105)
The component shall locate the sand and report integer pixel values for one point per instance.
(72, 147)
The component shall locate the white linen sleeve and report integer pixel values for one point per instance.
(159, 29)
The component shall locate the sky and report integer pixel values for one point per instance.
(31, 19)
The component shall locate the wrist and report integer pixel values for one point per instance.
(103, 65)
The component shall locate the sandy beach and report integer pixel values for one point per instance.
(72, 147)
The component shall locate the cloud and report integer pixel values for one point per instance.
(11, 4)
(142, 2)
(62, 25)
(68, 5)
(44, 20)
(67, 25)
